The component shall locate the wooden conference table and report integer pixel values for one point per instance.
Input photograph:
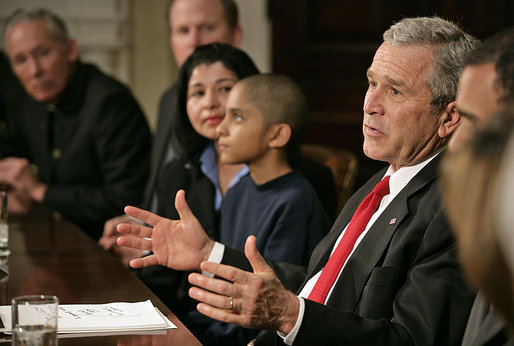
(50, 256)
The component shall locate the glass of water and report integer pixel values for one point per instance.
(34, 320)
(4, 227)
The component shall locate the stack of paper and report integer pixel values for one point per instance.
(102, 318)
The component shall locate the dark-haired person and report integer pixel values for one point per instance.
(471, 183)
(485, 87)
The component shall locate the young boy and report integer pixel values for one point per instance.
(263, 116)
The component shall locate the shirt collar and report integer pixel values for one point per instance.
(209, 167)
(403, 176)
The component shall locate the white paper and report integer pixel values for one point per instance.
(87, 318)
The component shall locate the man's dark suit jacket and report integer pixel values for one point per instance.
(402, 285)
(485, 327)
(167, 106)
(98, 159)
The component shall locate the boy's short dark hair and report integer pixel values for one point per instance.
(279, 99)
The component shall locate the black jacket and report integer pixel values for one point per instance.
(99, 159)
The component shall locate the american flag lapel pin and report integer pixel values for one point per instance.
(392, 221)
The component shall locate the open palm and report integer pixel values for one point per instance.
(177, 244)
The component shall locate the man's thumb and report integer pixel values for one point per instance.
(256, 260)
(182, 207)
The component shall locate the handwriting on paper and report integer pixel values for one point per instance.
(100, 311)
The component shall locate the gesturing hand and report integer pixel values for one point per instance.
(254, 300)
(178, 244)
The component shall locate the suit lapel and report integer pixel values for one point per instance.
(161, 140)
(483, 324)
(373, 246)
(162, 133)
(322, 251)
(201, 195)
(492, 326)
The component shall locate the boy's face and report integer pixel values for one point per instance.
(243, 136)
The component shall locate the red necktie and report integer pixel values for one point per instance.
(357, 225)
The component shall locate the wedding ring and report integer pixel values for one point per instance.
(230, 303)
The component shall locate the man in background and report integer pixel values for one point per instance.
(485, 87)
(486, 84)
(79, 141)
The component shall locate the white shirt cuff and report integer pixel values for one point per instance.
(216, 256)
(289, 338)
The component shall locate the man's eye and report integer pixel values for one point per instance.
(237, 118)
(372, 84)
(182, 31)
(208, 28)
(19, 60)
(395, 92)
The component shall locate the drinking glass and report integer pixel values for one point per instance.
(4, 227)
(34, 320)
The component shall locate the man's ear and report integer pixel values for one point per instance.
(280, 134)
(73, 51)
(450, 119)
(237, 36)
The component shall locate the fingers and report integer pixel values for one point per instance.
(256, 260)
(135, 242)
(230, 273)
(214, 300)
(211, 284)
(106, 243)
(143, 215)
(182, 207)
(142, 262)
(110, 225)
(135, 230)
(223, 315)
(216, 306)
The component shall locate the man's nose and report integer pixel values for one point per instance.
(373, 103)
(33, 67)
(195, 38)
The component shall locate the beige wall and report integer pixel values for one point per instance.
(256, 32)
(153, 68)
